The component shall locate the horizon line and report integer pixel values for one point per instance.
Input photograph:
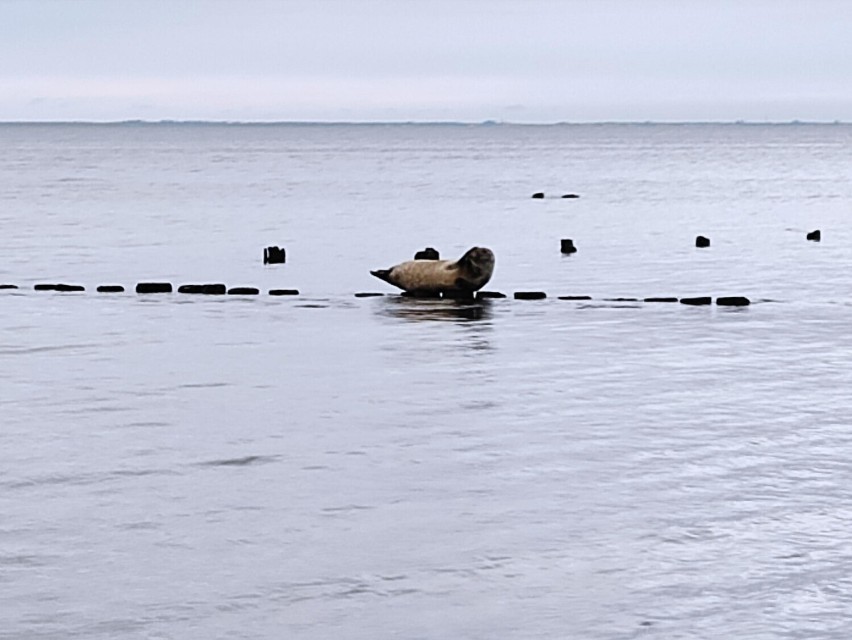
(487, 122)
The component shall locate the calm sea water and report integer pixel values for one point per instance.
(328, 466)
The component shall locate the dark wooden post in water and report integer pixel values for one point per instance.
(427, 254)
(568, 246)
(65, 288)
(733, 301)
(212, 289)
(153, 287)
(697, 302)
(815, 236)
(274, 255)
(701, 242)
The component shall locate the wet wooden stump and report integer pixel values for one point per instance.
(214, 289)
(697, 301)
(64, 288)
(154, 287)
(567, 246)
(427, 254)
(733, 301)
(274, 255)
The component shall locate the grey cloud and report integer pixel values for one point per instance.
(565, 59)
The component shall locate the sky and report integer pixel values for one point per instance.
(533, 61)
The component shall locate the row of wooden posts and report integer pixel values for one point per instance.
(221, 289)
(161, 287)
(567, 244)
(276, 255)
(700, 241)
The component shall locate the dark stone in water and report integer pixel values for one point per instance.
(427, 254)
(421, 294)
(215, 289)
(701, 242)
(660, 299)
(59, 287)
(190, 288)
(733, 301)
(538, 195)
(368, 294)
(154, 287)
(110, 288)
(458, 295)
(482, 295)
(570, 195)
(701, 300)
(243, 291)
(530, 295)
(8, 286)
(204, 289)
(283, 292)
(815, 236)
(567, 246)
(575, 297)
(274, 255)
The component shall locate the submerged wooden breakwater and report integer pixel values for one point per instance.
(220, 289)
(149, 288)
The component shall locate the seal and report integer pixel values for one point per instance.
(469, 273)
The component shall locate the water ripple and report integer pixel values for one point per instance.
(240, 462)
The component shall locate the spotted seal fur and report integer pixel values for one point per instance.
(469, 273)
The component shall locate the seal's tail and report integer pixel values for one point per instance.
(382, 274)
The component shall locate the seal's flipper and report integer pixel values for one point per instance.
(383, 274)
(465, 285)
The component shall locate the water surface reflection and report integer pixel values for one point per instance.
(421, 309)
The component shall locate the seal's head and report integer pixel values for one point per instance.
(475, 268)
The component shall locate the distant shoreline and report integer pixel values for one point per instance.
(395, 123)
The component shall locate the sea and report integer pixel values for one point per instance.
(321, 465)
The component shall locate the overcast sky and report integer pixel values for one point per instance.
(469, 60)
